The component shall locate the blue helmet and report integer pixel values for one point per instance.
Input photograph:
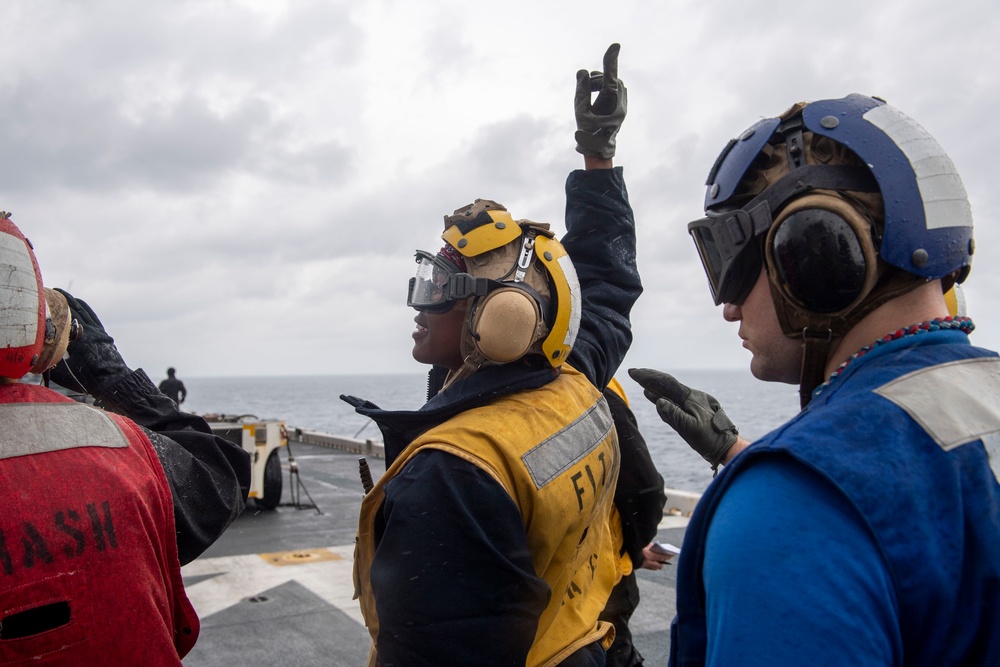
(927, 227)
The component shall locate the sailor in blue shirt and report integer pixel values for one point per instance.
(866, 530)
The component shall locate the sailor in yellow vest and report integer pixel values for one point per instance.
(488, 540)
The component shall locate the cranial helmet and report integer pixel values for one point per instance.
(847, 203)
(524, 289)
(34, 321)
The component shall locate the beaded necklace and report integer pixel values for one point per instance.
(961, 323)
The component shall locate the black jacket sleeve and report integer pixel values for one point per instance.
(639, 495)
(209, 476)
(600, 239)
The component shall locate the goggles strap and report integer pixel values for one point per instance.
(463, 285)
(816, 177)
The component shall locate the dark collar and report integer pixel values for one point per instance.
(400, 427)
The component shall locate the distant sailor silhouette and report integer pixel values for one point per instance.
(173, 388)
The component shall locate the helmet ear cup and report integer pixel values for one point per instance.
(505, 324)
(821, 255)
(58, 326)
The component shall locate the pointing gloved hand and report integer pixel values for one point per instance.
(597, 124)
(696, 416)
(93, 364)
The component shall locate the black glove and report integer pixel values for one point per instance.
(597, 124)
(696, 416)
(92, 364)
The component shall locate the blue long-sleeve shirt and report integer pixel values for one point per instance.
(865, 531)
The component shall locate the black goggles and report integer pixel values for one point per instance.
(438, 285)
(730, 247)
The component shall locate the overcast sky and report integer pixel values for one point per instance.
(237, 187)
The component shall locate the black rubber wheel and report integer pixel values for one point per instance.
(272, 482)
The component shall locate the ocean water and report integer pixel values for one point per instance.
(313, 402)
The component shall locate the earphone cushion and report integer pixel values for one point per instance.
(821, 253)
(505, 324)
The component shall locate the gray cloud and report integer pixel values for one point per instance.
(238, 187)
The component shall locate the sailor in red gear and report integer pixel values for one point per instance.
(93, 534)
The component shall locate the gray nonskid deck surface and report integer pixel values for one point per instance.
(276, 589)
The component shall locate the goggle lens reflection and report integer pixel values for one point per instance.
(428, 288)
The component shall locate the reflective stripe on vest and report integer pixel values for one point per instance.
(570, 445)
(30, 428)
(956, 403)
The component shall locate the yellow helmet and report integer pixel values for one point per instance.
(526, 295)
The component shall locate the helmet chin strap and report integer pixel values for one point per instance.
(472, 363)
(815, 352)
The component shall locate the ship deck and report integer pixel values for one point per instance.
(276, 588)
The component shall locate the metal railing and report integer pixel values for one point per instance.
(367, 447)
(679, 503)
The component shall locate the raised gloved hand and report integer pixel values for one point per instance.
(93, 364)
(597, 124)
(696, 416)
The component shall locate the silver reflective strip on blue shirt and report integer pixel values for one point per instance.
(35, 428)
(546, 460)
(956, 403)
